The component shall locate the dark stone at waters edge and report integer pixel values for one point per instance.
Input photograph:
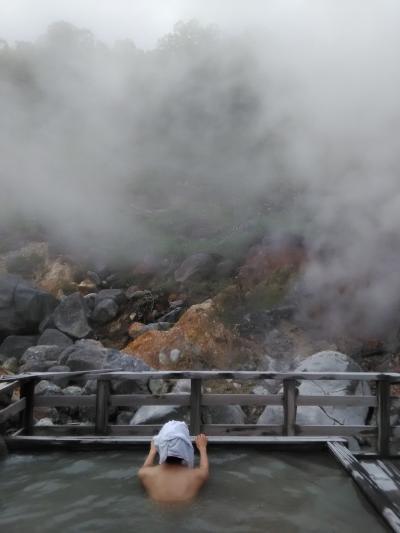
(16, 345)
(71, 316)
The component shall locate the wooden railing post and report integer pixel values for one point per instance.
(383, 417)
(289, 406)
(27, 391)
(102, 406)
(195, 406)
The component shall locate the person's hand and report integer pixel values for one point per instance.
(201, 441)
(153, 448)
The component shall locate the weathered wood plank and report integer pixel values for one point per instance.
(241, 399)
(65, 401)
(289, 407)
(344, 401)
(102, 406)
(377, 493)
(383, 418)
(64, 430)
(391, 377)
(115, 442)
(12, 410)
(195, 406)
(28, 393)
(337, 430)
(242, 429)
(128, 400)
(6, 387)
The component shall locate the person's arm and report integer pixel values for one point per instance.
(203, 469)
(149, 461)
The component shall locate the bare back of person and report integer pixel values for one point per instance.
(172, 483)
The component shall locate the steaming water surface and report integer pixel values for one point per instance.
(249, 491)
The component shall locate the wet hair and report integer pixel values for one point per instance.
(171, 460)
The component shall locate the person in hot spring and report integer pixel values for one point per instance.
(174, 479)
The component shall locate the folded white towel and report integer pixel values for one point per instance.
(174, 440)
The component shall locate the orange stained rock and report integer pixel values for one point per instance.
(203, 341)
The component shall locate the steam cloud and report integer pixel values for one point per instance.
(294, 104)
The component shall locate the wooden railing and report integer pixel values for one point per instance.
(289, 399)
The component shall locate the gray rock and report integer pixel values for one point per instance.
(158, 386)
(10, 364)
(54, 337)
(70, 316)
(117, 295)
(181, 386)
(40, 358)
(85, 354)
(116, 360)
(94, 277)
(60, 381)
(197, 266)
(133, 294)
(157, 414)
(105, 311)
(327, 361)
(124, 417)
(72, 390)
(16, 345)
(46, 388)
(223, 414)
(33, 304)
(171, 316)
(43, 422)
(22, 306)
(175, 355)
(90, 300)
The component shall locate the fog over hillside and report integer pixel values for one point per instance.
(284, 115)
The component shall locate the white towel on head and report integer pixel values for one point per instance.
(174, 440)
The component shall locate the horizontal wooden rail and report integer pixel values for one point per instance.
(183, 399)
(12, 410)
(6, 387)
(58, 400)
(390, 377)
(135, 400)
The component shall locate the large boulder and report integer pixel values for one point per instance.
(40, 358)
(105, 311)
(198, 340)
(84, 355)
(223, 414)
(16, 345)
(118, 295)
(22, 306)
(121, 362)
(327, 361)
(70, 316)
(54, 337)
(197, 266)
